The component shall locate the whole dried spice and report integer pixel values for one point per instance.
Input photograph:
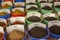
(17, 22)
(15, 35)
(34, 19)
(3, 13)
(17, 11)
(50, 18)
(47, 8)
(38, 32)
(32, 8)
(6, 6)
(58, 6)
(55, 29)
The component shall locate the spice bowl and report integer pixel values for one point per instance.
(7, 5)
(34, 31)
(17, 30)
(54, 29)
(4, 13)
(46, 8)
(57, 6)
(33, 17)
(16, 12)
(49, 17)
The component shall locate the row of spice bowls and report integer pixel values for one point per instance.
(6, 13)
(10, 5)
(12, 1)
(41, 1)
(36, 31)
(43, 16)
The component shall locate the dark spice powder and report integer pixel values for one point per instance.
(58, 6)
(47, 8)
(38, 32)
(32, 8)
(17, 22)
(50, 18)
(31, 3)
(34, 19)
(55, 29)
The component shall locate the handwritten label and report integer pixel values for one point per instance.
(19, 3)
(30, 1)
(9, 3)
(33, 14)
(14, 19)
(49, 15)
(46, 4)
(42, 0)
(5, 10)
(36, 24)
(28, 6)
(3, 20)
(1, 30)
(21, 9)
(51, 0)
(53, 23)
(56, 3)
(15, 27)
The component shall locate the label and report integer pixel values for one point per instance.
(9, 3)
(30, 1)
(46, 4)
(29, 6)
(20, 19)
(58, 13)
(53, 23)
(33, 14)
(19, 3)
(36, 24)
(15, 27)
(5, 10)
(21, 9)
(3, 20)
(49, 15)
(42, 0)
(1, 30)
(56, 3)
(51, 0)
